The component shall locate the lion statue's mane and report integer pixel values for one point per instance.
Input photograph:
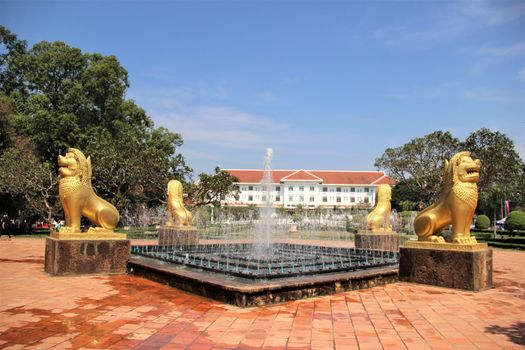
(456, 205)
(78, 197)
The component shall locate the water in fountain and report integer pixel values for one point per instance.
(265, 258)
(265, 225)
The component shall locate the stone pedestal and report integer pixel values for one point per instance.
(377, 240)
(460, 266)
(178, 235)
(81, 255)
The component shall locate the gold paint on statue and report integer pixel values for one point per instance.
(379, 219)
(468, 247)
(178, 215)
(456, 206)
(78, 199)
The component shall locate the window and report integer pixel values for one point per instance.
(278, 188)
(352, 200)
(250, 198)
(301, 188)
(338, 189)
(243, 188)
(325, 189)
(325, 199)
(366, 189)
(290, 188)
(345, 189)
(352, 189)
(277, 198)
(311, 188)
(338, 200)
(366, 199)
(345, 199)
(311, 198)
(250, 188)
(290, 198)
(332, 190)
(263, 198)
(301, 198)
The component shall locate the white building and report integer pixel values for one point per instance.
(309, 188)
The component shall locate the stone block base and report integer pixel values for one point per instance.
(88, 256)
(173, 235)
(461, 269)
(377, 240)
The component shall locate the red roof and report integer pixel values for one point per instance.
(328, 177)
(302, 175)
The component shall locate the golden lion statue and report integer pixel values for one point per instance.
(379, 219)
(177, 214)
(77, 196)
(456, 206)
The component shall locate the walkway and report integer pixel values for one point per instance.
(123, 312)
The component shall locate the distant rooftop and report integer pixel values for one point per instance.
(328, 177)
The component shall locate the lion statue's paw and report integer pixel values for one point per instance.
(69, 229)
(465, 240)
(436, 239)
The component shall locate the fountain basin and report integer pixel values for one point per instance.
(322, 271)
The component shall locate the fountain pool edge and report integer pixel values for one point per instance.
(247, 293)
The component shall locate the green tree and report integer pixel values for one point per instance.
(6, 114)
(515, 221)
(419, 163)
(55, 97)
(502, 170)
(404, 198)
(28, 181)
(10, 63)
(211, 189)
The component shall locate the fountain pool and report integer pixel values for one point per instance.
(263, 271)
(281, 259)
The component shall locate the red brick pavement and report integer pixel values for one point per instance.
(123, 312)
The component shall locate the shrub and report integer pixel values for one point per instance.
(482, 222)
(515, 221)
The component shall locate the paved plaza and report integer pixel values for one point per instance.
(124, 312)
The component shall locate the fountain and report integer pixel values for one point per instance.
(263, 271)
(263, 229)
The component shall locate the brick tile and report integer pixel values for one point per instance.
(124, 312)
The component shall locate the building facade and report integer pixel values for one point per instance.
(308, 188)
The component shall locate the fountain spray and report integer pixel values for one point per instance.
(264, 227)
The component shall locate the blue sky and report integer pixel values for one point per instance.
(326, 84)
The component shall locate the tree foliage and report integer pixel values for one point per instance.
(502, 171)
(418, 164)
(404, 197)
(211, 189)
(55, 96)
(27, 180)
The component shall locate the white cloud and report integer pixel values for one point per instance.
(432, 91)
(491, 96)
(454, 19)
(509, 50)
(488, 14)
(521, 74)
